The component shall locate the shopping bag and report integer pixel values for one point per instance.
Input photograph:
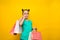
(36, 35)
(16, 28)
(30, 36)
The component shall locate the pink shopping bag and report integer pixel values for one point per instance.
(36, 36)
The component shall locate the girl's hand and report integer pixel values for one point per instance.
(21, 20)
(23, 17)
(15, 33)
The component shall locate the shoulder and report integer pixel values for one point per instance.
(30, 20)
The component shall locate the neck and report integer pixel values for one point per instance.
(26, 18)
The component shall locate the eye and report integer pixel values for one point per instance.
(24, 13)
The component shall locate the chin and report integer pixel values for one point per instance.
(26, 18)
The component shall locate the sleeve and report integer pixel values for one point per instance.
(31, 25)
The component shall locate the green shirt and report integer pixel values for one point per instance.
(27, 28)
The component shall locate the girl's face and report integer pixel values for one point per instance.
(26, 14)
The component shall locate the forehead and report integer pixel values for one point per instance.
(25, 11)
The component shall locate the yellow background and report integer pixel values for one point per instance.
(45, 15)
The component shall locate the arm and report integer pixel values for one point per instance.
(20, 23)
(21, 20)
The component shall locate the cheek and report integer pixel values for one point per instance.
(27, 15)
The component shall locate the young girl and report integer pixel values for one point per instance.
(25, 24)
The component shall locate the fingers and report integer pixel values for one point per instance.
(15, 33)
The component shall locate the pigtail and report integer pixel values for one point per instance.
(28, 9)
(25, 10)
(22, 9)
